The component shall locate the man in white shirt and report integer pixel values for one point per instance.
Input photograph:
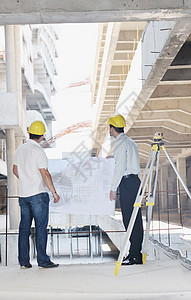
(127, 168)
(31, 168)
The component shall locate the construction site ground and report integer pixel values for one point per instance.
(160, 278)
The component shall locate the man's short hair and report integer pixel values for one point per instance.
(118, 129)
(34, 136)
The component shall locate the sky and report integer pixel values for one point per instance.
(76, 49)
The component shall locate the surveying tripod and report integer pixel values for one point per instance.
(147, 179)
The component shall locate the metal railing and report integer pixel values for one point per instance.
(171, 223)
(170, 226)
(3, 149)
(93, 234)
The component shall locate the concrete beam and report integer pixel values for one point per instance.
(119, 70)
(176, 116)
(126, 46)
(173, 152)
(122, 62)
(174, 148)
(113, 92)
(125, 51)
(178, 128)
(125, 55)
(176, 143)
(130, 35)
(169, 135)
(180, 67)
(165, 91)
(171, 104)
(145, 148)
(177, 75)
(64, 11)
(113, 84)
(109, 98)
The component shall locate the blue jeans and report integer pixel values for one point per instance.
(36, 207)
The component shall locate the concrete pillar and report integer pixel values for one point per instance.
(188, 171)
(13, 207)
(10, 133)
(18, 141)
(172, 189)
(24, 99)
(181, 167)
(10, 58)
(163, 186)
(17, 43)
(49, 124)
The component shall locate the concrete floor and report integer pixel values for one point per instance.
(83, 277)
(163, 278)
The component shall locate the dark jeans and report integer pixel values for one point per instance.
(36, 207)
(128, 189)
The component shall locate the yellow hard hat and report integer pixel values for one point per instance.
(117, 121)
(37, 128)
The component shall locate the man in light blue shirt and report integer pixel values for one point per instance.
(127, 168)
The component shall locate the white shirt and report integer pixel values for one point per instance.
(126, 156)
(29, 158)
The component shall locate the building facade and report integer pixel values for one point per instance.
(27, 69)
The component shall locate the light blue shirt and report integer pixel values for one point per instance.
(126, 155)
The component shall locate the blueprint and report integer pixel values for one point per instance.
(83, 186)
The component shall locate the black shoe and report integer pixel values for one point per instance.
(132, 261)
(126, 258)
(50, 265)
(28, 266)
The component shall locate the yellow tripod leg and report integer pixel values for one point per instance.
(117, 267)
(144, 258)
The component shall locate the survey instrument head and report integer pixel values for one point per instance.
(117, 121)
(37, 128)
(158, 137)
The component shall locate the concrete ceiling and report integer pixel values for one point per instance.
(64, 11)
(164, 103)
